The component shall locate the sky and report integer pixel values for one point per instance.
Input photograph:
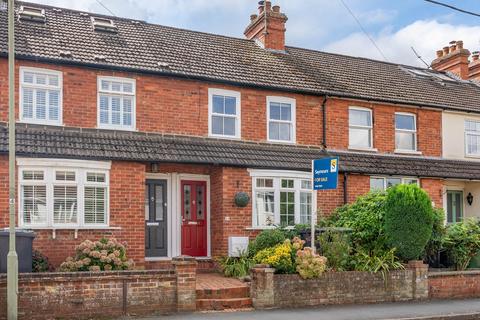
(326, 25)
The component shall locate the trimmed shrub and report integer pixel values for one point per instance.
(103, 255)
(408, 220)
(462, 242)
(265, 239)
(366, 218)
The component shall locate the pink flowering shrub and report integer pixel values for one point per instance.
(309, 264)
(102, 255)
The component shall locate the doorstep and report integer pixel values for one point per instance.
(217, 293)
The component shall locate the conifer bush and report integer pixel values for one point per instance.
(408, 220)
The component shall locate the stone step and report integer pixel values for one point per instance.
(224, 293)
(223, 304)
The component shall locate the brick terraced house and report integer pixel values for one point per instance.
(147, 133)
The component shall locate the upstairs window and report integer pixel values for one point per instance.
(224, 113)
(360, 128)
(116, 103)
(472, 138)
(281, 119)
(405, 132)
(40, 96)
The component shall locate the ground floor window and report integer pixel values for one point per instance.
(383, 183)
(63, 193)
(281, 198)
(454, 206)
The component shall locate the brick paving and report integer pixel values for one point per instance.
(216, 281)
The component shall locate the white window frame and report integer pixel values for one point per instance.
(292, 122)
(120, 94)
(278, 176)
(22, 85)
(473, 133)
(238, 108)
(402, 179)
(50, 167)
(370, 128)
(415, 144)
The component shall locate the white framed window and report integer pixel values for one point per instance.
(281, 198)
(472, 138)
(281, 119)
(383, 183)
(405, 132)
(63, 193)
(360, 128)
(116, 103)
(224, 113)
(40, 96)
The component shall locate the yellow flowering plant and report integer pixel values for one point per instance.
(282, 256)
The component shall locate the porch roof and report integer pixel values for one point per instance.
(94, 144)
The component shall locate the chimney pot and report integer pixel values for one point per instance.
(475, 55)
(446, 50)
(439, 53)
(276, 9)
(459, 44)
(268, 5)
(453, 47)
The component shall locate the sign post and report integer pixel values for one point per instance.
(324, 177)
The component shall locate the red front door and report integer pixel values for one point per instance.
(194, 218)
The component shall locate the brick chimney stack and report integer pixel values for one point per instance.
(267, 27)
(453, 58)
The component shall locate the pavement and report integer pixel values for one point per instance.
(429, 310)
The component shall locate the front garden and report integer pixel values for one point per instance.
(380, 232)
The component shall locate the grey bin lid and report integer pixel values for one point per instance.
(18, 232)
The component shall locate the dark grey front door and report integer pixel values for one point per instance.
(156, 238)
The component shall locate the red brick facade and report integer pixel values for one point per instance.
(169, 105)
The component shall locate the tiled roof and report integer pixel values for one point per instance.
(144, 47)
(93, 144)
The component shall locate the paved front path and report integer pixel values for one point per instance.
(356, 312)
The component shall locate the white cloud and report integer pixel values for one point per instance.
(426, 36)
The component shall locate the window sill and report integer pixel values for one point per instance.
(399, 151)
(70, 228)
(260, 228)
(41, 123)
(362, 149)
(116, 128)
(472, 156)
(281, 142)
(214, 136)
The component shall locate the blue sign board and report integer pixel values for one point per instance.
(325, 173)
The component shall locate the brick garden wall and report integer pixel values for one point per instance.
(102, 295)
(454, 285)
(290, 290)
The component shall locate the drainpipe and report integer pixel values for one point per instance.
(324, 120)
(345, 189)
